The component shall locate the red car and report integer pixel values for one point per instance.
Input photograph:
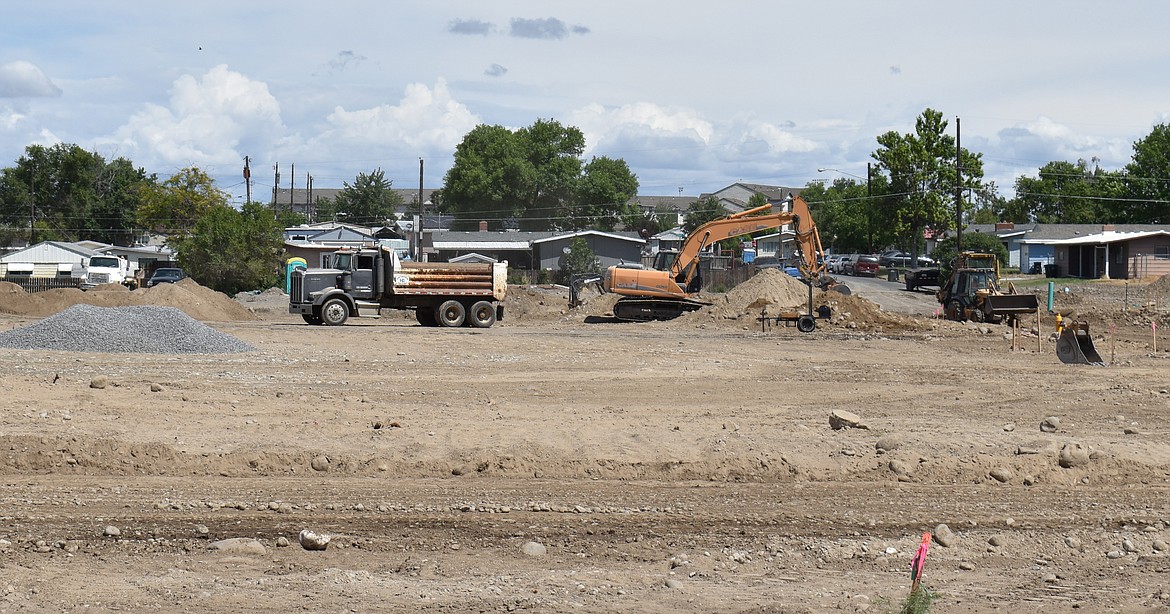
(864, 265)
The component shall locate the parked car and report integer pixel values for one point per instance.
(895, 258)
(865, 266)
(165, 276)
(768, 262)
(831, 263)
(843, 264)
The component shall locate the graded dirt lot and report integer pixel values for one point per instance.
(563, 462)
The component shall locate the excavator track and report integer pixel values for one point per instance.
(647, 309)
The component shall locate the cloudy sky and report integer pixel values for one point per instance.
(692, 96)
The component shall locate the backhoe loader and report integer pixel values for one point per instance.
(666, 293)
(973, 293)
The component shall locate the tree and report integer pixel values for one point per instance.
(1064, 193)
(701, 212)
(920, 168)
(67, 193)
(580, 259)
(534, 177)
(945, 252)
(1149, 179)
(368, 201)
(604, 195)
(233, 251)
(844, 214)
(176, 206)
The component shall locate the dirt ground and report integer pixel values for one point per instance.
(563, 462)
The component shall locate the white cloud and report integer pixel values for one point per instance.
(207, 121)
(22, 79)
(425, 119)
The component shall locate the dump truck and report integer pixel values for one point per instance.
(364, 281)
(972, 292)
(107, 269)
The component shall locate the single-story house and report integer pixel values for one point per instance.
(1034, 246)
(61, 258)
(1111, 254)
(611, 248)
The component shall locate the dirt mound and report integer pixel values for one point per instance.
(854, 312)
(1160, 285)
(269, 304)
(187, 295)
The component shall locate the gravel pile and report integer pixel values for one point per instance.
(122, 330)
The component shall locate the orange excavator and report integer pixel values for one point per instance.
(666, 292)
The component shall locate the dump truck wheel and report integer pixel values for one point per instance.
(425, 316)
(482, 315)
(334, 312)
(450, 314)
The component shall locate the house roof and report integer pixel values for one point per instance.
(1100, 238)
(37, 250)
(613, 235)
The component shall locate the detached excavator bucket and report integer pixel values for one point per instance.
(1010, 304)
(1075, 346)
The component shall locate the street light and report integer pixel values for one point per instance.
(837, 170)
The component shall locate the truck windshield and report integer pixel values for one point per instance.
(341, 261)
(104, 261)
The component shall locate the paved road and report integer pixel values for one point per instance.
(892, 296)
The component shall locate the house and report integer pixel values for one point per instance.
(735, 197)
(610, 247)
(45, 260)
(1112, 254)
(59, 263)
(1119, 251)
(315, 242)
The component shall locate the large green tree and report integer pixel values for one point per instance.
(68, 193)
(536, 177)
(920, 169)
(1066, 193)
(369, 201)
(1148, 176)
(847, 214)
(233, 251)
(176, 205)
(604, 195)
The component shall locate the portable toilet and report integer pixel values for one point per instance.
(291, 265)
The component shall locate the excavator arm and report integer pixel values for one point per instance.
(811, 255)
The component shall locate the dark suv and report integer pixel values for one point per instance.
(165, 276)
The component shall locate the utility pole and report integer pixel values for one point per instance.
(292, 186)
(276, 185)
(958, 190)
(869, 206)
(309, 202)
(248, 179)
(32, 210)
(418, 231)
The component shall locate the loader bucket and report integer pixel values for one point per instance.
(1010, 304)
(1075, 347)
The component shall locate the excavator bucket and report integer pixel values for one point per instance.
(1010, 304)
(1075, 346)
